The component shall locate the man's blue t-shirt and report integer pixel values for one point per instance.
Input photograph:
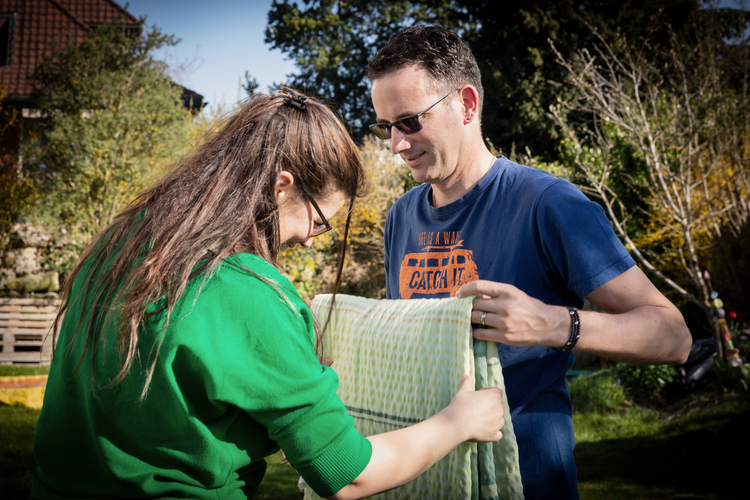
(525, 227)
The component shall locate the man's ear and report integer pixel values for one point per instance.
(470, 102)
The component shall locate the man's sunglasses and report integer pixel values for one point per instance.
(319, 228)
(407, 125)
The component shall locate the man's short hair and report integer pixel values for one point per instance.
(447, 59)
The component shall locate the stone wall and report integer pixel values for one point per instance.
(22, 265)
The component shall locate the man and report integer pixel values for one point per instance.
(531, 247)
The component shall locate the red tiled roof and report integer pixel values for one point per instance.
(97, 11)
(42, 23)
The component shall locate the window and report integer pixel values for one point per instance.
(7, 29)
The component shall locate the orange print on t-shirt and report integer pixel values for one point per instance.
(437, 269)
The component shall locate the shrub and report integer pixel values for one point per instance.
(16, 191)
(645, 380)
(113, 118)
(599, 393)
(728, 378)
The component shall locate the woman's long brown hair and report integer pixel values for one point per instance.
(220, 198)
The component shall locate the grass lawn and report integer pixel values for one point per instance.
(694, 453)
(16, 454)
(697, 451)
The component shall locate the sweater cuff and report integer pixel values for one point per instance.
(338, 465)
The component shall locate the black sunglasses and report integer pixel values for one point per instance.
(407, 125)
(319, 228)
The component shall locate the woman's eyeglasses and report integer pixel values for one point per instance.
(407, 125)
(319, 228)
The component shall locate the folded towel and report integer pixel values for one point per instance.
(400, 362)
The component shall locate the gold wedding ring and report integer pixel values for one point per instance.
(484, 315)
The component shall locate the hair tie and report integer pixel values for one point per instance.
(295, 101)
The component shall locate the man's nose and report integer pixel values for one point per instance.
(399, 141)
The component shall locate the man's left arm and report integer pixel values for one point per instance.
(639, 325)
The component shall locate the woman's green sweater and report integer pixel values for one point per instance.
(236, 378)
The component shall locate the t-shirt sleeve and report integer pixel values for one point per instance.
(265, 364)
(578, 241)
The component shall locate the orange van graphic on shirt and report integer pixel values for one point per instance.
(437, 269)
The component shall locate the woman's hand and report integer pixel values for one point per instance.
(400, 456)
(325, 361)
(480, 413)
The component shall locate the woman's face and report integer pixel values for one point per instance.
(297, 216)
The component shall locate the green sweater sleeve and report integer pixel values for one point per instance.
(251, 338)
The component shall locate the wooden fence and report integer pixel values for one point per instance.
(25, 331)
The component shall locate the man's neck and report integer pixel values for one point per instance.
(466, 175)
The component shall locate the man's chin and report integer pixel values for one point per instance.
(422, 176)
(420, 173)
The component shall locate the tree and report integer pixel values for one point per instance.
(250, 85)
(520, 74)
(685, 118)
(112, 119)
(331, 42)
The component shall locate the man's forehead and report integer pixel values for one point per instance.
(402, 93)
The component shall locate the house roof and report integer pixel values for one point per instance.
(39, 24)
(93, 12)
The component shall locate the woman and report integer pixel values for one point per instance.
(185, 358)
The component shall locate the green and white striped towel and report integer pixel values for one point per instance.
(400, 362)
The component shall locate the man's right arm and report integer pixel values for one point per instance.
(640, 325)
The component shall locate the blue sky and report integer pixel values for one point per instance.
(221, 40)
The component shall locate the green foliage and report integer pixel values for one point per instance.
(251, 84)
(332, 41)
(61, 254)
(645, 380)
(520, 73)
(17, 463)
(621, 167)
(665, 152)
(726, 378)
(15, 190)
(600, 393)
(741, 339)
(555, 168)
(112, 118)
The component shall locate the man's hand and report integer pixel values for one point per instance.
(638, 325)
(513, 317)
